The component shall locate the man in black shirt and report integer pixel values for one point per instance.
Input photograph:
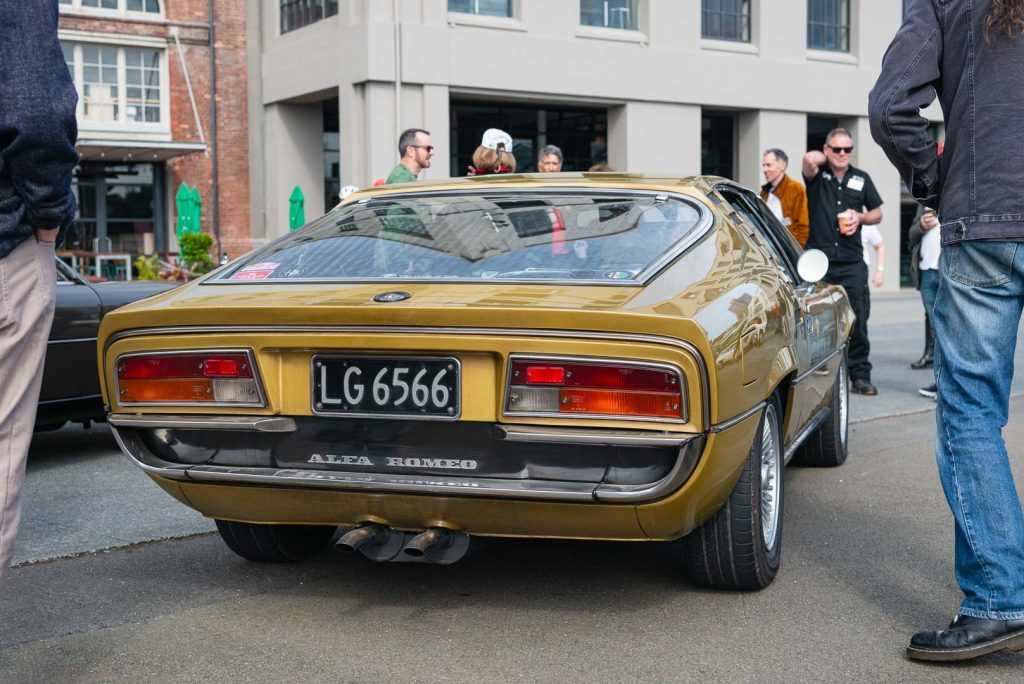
(835, 187)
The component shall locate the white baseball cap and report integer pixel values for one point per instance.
(495, 138)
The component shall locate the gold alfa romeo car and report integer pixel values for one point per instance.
(577, 356)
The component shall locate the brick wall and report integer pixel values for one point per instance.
(191, 19)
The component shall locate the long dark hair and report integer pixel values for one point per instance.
(1005, 17)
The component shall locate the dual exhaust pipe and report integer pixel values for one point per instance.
(382, 543)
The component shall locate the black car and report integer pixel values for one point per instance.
(71, 385)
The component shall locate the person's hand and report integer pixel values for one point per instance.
(47, 235)
(852, 222)
(929, 220)
(877, 280)
(815, 157)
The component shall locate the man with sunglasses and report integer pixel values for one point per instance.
(416, 150)
(834, 187)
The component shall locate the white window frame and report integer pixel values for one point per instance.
(636, 24)
(77, 7)
(120, 42)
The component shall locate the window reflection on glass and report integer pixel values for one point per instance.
(494, 8)
(828, 25)
(726, 20)
(298, 13)
(142, 90)
(618, 14)
(99, 84)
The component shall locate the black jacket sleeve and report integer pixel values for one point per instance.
(37, 113)
(909, 81)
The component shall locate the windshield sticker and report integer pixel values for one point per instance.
(263, 266)
(252, 275)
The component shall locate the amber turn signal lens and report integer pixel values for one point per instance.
(149, 391)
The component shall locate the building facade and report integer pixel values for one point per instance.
(162, 102)
(677, 86)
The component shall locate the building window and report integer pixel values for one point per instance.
(828, 25)
(726, 20)
(116, 85)
(580, 132)
(298, 13)
(718, 144)
(148, 6)
(616, 14)
(494, 8)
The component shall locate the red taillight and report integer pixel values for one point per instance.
(613, 389)
(545, 375)
(187, 378)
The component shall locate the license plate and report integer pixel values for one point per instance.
(386, 387)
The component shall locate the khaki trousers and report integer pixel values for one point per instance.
(27, 290)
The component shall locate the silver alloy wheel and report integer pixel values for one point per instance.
(843, 387)
(771, 475)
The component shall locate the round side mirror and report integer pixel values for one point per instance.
(812, 266)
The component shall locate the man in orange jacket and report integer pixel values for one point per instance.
(791, 195)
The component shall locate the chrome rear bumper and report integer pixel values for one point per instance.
(129, 432)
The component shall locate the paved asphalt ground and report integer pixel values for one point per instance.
(117, 582)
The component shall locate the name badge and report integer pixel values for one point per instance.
(856, 183)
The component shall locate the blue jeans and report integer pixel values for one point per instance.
(977, 311)
(929, 282)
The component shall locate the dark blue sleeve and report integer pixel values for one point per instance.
(37, 112)
(908, 82)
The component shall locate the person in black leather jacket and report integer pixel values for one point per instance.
(969, 54)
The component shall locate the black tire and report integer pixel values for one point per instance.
(827, 447)
(274, 543)
(729, 551)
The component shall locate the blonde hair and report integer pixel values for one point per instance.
(487, 160)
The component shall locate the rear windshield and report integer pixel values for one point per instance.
(517, 236)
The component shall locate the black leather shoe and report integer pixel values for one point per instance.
(967, 638)
(862, 386)
(926, 361)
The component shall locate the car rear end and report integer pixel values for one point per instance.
(436, 380)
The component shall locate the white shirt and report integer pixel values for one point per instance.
(931, 245)
(775, 204)
(870, 238)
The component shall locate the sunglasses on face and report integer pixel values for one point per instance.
(428, 148)
(841, 150)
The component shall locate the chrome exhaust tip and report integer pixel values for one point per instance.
(367, 534)
(438, 545)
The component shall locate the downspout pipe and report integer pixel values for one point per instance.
(215, 157)
(398, 72)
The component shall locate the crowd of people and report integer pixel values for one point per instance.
(969, 55)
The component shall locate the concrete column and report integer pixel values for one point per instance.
(294, 153)
(760, 130)
(869, 157)
(648, 137)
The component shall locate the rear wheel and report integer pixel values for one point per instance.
(274, 543)
(827, 446)
(741, 546)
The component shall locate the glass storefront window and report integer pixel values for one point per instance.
(718, 144)
(115, 201)
(581, 133)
